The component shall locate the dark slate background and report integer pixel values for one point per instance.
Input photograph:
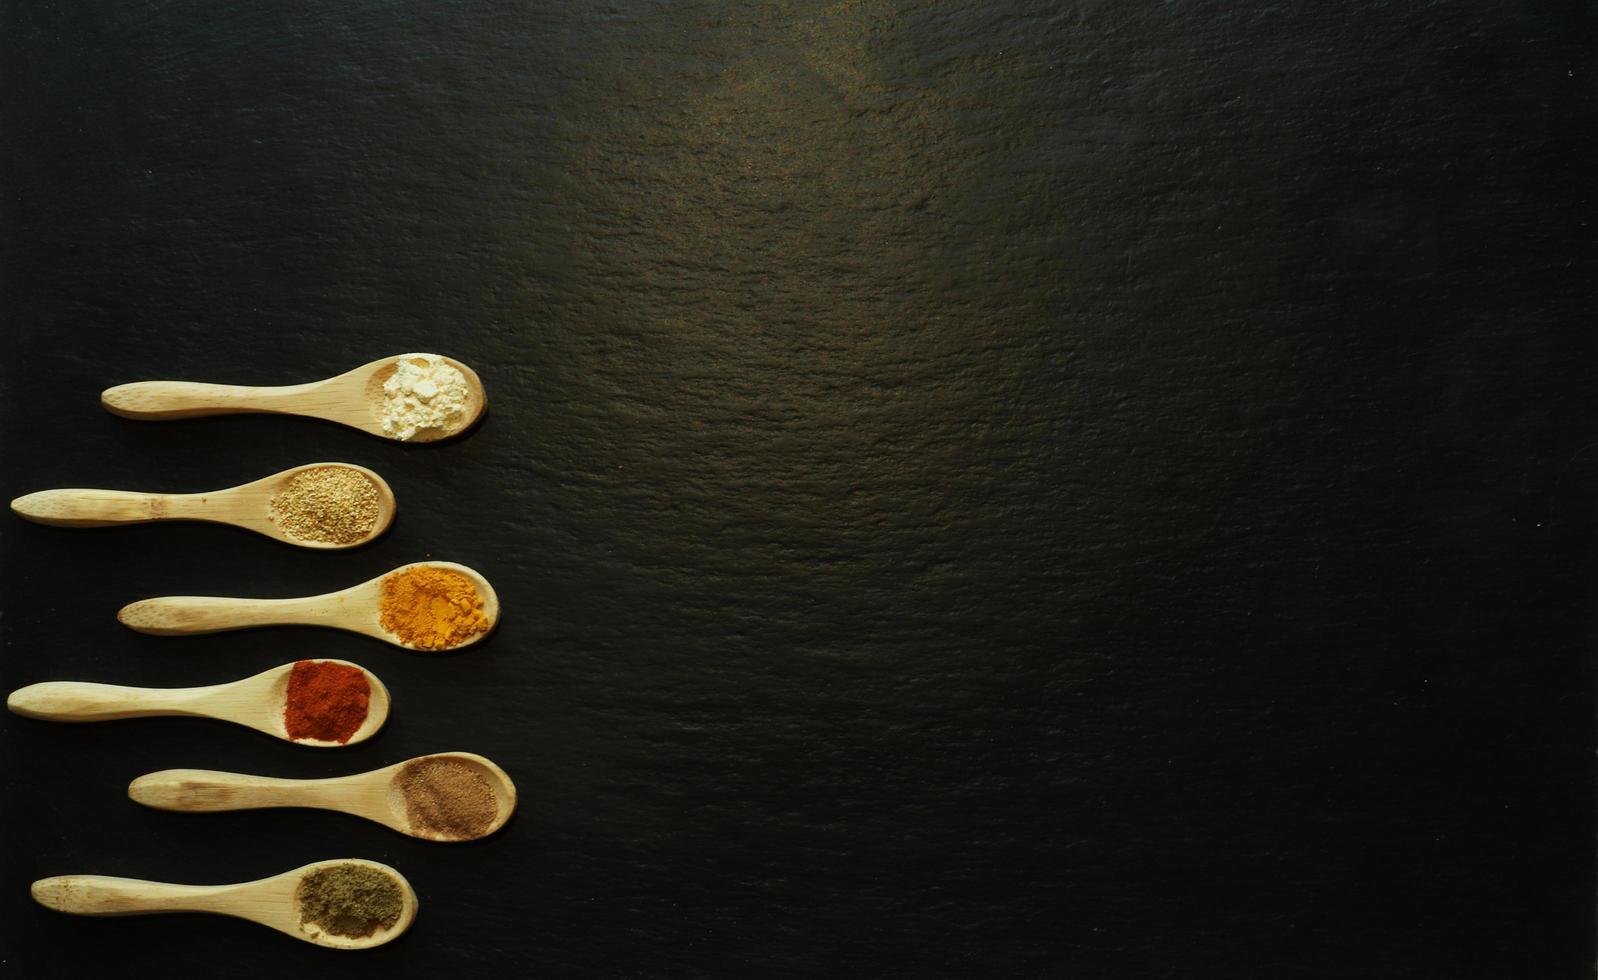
(1099, 489)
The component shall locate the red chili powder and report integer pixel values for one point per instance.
(326, 701)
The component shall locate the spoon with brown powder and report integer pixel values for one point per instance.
(343, 904)
(431, 606)
(318, 505)
(448, 796)
(321, 703)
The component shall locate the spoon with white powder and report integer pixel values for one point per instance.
(409, 398)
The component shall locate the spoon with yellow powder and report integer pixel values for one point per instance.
(318, 505)
(298, 702)
(347, 903)
(448, 796)
(407, 397)
(431, 606)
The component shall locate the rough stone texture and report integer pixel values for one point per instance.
(1095, 489)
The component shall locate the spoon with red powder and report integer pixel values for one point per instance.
(312, 702)
(448, 796)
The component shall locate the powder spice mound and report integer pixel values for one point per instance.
(326, 701)
(327, 504)
(448, 798)
(350, 900)
(431, 608)
(423, 393)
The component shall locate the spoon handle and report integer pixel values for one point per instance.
(83, 701)
(209, 791)
(100, 895)
(191, 399)
(178, 614)
(96, 508)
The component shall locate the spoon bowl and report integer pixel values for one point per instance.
(357, 609)
(257, 702)
(379, 795)
(355, 398)
(273, 902)
(249, 505)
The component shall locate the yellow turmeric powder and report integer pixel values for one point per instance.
(432, 608)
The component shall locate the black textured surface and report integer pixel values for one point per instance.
(1100, 489)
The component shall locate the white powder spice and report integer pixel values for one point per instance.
(424, 393)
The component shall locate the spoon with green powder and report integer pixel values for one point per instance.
(348, 903)
(448, 796)
(318, 505)
(406, 397)
(321, 703)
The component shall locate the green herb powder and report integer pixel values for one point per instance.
(350, 900)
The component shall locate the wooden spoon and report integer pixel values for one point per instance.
(255, 702)
(357, 608)
(270, 901)
(377, 795)
(355, 398)
(248, 506)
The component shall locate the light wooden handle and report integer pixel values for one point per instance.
(191, 399)
(209, 791)
(98, 508)
(82, 701)
(100, 895)
(179, 614)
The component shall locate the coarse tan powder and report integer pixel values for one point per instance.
(448, 797)
(350, 900)
(327, 504)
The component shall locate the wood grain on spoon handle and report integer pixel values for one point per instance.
(179, 614)
(102, 508)
(101, 895)
(85, 701)
(209, 791)
(191, 399)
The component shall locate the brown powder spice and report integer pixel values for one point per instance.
(327, 504)
(448, 798)
(431, 608)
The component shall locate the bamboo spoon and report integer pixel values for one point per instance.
(378, 795)
(354, 398)
(248, 506)
(256, 702)
(357, 609)
(270, 901)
